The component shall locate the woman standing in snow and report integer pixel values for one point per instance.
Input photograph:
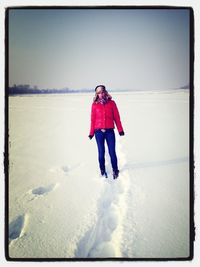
(103, 115)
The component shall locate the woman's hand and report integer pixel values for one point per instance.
(121, 133)
(90, 136)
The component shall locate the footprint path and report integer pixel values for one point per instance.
(104, 238)
(18, 225)
(58, 171)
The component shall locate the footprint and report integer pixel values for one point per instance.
(65, 169)
(40, 191)
(73, 167)
(17, 227)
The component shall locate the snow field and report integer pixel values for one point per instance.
(59, 206)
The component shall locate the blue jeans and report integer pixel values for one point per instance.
(109, 136)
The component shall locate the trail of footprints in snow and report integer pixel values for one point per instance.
(18, 225)
(44, 190)
(103, 239)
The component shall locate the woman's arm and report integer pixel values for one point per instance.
(117, 118)
(92, 120)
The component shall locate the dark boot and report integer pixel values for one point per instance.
(115, 174)
(104, 173)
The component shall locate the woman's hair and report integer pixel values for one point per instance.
(108, 96)
(102, 86)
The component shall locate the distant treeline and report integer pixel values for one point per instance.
(27, 89)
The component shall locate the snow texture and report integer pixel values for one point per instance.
(60, 206)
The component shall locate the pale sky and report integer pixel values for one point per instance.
(80, 48)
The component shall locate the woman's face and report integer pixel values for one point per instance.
(100, 92)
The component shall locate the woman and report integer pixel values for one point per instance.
(103, 115)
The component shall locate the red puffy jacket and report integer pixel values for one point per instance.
(103, 116)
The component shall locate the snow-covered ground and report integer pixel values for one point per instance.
(59, 206)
